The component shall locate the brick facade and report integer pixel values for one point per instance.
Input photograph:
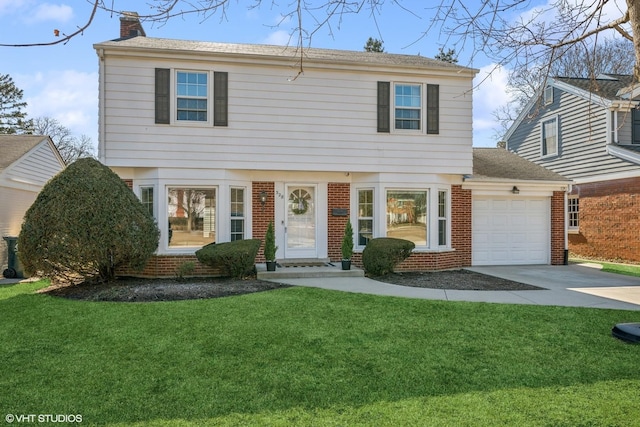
(262, 215)
(338, 198)
(609, 215)
(557, 228)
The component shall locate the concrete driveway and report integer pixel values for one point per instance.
(572, 285)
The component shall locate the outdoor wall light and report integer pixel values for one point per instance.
(515, 190)
(263, 198)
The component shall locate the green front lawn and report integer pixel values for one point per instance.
(301, 356)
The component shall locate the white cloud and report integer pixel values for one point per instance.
(51, 12)
(70, 97)
(280, 37)
(9, 6)
(490, 93)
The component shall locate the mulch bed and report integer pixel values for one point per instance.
(148, 290)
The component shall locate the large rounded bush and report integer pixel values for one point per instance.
(382, 254)
(84, 224)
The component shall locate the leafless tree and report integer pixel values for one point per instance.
(70, 147)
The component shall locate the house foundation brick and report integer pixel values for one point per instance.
(616, 235)
(161, 266)
(262, 215)
(339, 196)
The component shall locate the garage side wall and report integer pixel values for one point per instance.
(558, 244)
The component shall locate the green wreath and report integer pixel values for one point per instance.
(300, 206)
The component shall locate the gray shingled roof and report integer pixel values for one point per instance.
(12, 147)
(604, 87)
(271, 51)
(491, 164)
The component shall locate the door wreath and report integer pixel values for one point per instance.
(299, 200)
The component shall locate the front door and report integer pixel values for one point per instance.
(300, 227)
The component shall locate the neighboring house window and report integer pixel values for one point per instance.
(192, 96)
(192, 216)
(365, 216)
(408, 106)
(548, 95)
(442, 218)
(146, 198)
(237, 213)
(573, 207)
(407, 215)
(550, 137)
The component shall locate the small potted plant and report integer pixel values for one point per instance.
(270, 248)
(347, 246)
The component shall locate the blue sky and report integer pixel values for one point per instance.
(61, 81)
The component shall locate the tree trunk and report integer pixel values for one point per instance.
(634, 21)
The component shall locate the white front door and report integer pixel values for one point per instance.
(300, 227)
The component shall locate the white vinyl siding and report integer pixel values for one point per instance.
(322, 121)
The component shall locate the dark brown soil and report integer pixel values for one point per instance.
(464, 280)
(148, 290)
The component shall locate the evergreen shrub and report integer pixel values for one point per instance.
(382, 254)
(234, 259)
(84, 224)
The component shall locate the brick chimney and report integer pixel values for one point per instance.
(130, 25)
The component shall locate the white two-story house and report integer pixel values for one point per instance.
(219, 140)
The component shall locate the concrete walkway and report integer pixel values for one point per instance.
(572, 285)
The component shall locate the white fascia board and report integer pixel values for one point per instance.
(621, 153)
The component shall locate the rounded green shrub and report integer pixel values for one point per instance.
(84, 224)
(382, 254)
(234, 259)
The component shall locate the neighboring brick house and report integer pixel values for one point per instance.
(589, 130)
(218, 140)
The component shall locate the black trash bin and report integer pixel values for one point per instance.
(14, 267)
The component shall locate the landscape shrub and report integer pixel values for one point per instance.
(382, 254)
(234, 259)
(84, 224)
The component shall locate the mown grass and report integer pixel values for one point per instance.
(302, 356)
(626, 269)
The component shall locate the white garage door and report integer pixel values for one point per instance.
(511, 231)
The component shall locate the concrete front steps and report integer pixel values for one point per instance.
(306, 268)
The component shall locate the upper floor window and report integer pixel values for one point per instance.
(573, 211)
(192, 96)
(548, 95)
(549, 133)
(191, 99)
(408, 106)
(407, 109)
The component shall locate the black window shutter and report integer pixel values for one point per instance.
(635, 126)
(220, 98)
(433, 109)
(163, 105)
(384, 92)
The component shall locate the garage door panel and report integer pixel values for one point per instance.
(511, 230)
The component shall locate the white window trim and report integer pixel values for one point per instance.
(356, 221)
(155, 197)
(555, 118)
(173, 250)
(423, 108)
(570, 228)
(548, 95)
(447, 218)
(174, 99)
(244, 211)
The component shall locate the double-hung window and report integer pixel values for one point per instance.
(408, 106)
(549, 138)
(146, 198)
(442, 218)
(237, 213)
(192, 96)
(573, 211)
(365, 216)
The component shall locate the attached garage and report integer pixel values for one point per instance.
(511, 230)
(518, 210)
